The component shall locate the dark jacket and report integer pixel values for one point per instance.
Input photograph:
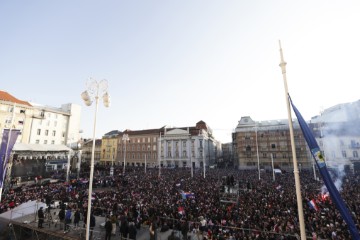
(92, 221)
(132, 231)
(108, 226)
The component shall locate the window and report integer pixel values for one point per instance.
(38, 132)
(54, 133)
(343, 153)
(273, 145)
(52, 141)
(355, 154)
(154, 147)
(46, 132)
(45, 141)
(37, 141)
(184, 144)
(184, 154)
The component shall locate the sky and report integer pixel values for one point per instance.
(178, 62)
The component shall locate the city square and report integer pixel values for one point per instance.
(179, 120)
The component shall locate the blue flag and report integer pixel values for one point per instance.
(320, 162)
(6, 149)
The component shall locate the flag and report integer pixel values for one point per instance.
(181, 210)
(313, 205)
(9, 137)
(320, 162)
(186, 195)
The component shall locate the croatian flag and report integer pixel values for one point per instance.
(181, 210)
(321, 164)
(313, 205)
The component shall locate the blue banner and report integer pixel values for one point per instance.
(320, 162)
(6, 149)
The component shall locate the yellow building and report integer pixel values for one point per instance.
(109, 146)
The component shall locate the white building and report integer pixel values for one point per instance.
(52, 125)
(181, 146)
(40, 124)
(337, 132)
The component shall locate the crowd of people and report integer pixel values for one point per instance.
(227, 204)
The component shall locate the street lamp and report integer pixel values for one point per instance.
(125, 138)
(257, 150)
(94, 89)
(112, 167)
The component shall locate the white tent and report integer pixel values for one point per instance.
(24, 209)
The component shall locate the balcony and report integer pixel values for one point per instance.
(39, 116)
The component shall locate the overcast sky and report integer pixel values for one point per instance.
(178, 62)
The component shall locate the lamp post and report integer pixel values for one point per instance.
(125, 138)
(112, 167)
(191, 165)
(94, 89)
(159, 155)
(257, 151)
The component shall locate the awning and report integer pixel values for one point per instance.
(27, 147)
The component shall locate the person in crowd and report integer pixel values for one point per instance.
(77, 218)
(108, 228)
(132, 230)
(40, 217)
(92, 224)
(114, 222)
(184, 229)
(124, 228)
(62, 217)
(68, 215)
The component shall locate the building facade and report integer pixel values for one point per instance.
(55, 125)
(137, 147)
(259, 144)
(40, 124)
(109, 145)
(337, 132)
(168, 147)
(87, 151)
(227, 159)
(15, 114)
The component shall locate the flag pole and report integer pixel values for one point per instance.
(296, 170)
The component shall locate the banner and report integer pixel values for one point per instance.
(6, 150)
(320, 162)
